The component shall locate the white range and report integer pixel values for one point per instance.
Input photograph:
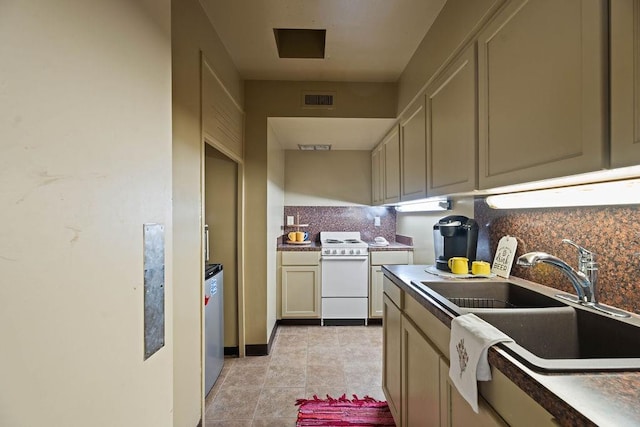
(345, 277)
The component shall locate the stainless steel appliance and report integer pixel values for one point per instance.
(454, 236)
(213, 325)
(345, 277)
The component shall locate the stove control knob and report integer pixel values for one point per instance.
(357, 251)
(327, 251)
(352, 252)
(335, 251)
(343, 252)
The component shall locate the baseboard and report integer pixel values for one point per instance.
(299, 322)
(256, 349)
(199, 423)
(376, 321)
(231, 351)
(344, 322)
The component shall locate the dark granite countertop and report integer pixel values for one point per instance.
(313, 246)
(316, 246)
(393, 246)
(574, 399)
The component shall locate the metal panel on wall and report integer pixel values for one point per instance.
(153, 288)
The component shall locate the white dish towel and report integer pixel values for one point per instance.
(470, 340)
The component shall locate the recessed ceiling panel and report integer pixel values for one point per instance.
(366, 40)
(300, 43)
(340, 133)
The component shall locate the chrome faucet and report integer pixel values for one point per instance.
(583, 280)
(579, 280)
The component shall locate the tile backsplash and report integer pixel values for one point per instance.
(344, 218)
(611, 232)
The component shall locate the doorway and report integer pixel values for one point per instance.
(221, 215)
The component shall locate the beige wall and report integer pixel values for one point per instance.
(327, 178)
(265, 99)
(451, 29)
(221, 214)
(191, 35)
(85, 161)
(275, 220)
(419, 225)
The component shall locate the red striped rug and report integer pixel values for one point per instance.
(343, 412)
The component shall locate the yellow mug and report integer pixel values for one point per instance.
(297, 236)
(481, 268)
(458, 265)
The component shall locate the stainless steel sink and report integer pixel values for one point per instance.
(549, 334)
(491, 295)
(568, 338)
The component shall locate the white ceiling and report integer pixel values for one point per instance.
(342, 134)
(366, 41)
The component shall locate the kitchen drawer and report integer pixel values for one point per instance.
(390, 257)
(394, 293)
(300, 258)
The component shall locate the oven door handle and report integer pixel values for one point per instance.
(344, 258)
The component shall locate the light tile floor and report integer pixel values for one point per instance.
(304, 360)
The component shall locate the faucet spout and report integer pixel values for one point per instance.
(578, 279)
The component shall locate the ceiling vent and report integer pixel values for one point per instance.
(314, 147)
(300, 43)
(319, 100)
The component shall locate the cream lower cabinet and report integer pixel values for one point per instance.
(391, 373)
(424, 395)
(300, 285)
(456, 412)
(420, 378)
(377, 260)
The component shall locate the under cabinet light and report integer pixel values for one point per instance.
(625, 192)
(425, 206)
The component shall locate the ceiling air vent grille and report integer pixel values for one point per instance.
(322, 100)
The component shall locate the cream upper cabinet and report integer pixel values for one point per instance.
(377, 175)
(451, 111)
(391, 149)
(385, 169)
(413, 149)
(542, 91)
(625, 82)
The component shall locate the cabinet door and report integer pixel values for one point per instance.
(300, 291)
(377, 175)
(451, 127)
(625, 82)
(375, 292)
(391, 148)
(413, 181)
(391, 371)
(456, 412)
(542, 91)
(420, 378)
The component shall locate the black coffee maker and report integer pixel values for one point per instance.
(454, 235)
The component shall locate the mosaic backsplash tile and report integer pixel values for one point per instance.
(344, 218)
(611, 232)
